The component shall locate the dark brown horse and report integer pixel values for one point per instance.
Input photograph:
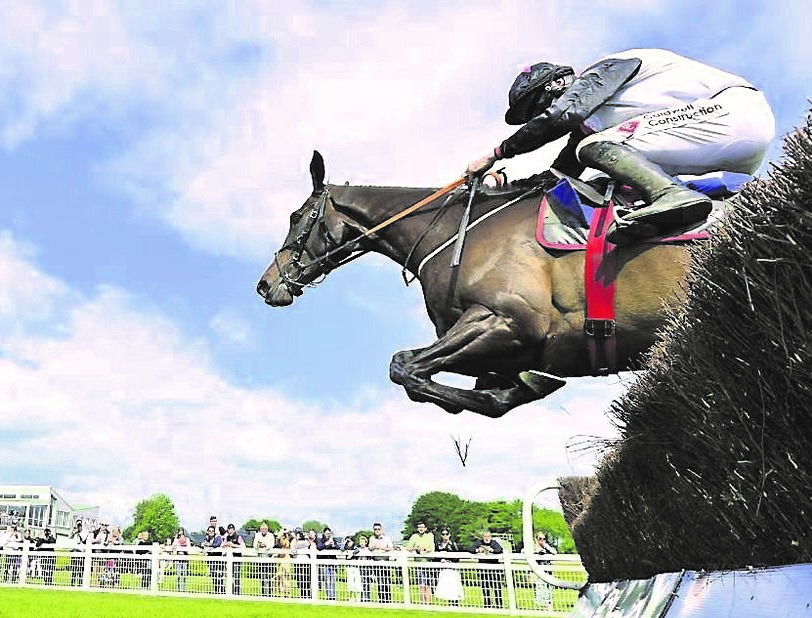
(511, 314)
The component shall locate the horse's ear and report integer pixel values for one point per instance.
(317, 171)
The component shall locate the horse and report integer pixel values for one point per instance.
(511, 314)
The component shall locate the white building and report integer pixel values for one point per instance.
(39, 506)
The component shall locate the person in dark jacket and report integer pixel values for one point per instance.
(490, 581)
(46, 544)
(641, 116)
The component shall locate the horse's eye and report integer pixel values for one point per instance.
(295, 218)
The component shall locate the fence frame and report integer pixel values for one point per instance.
(508, 565)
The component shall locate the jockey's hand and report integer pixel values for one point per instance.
(477, 168)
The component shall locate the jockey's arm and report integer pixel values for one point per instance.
(588, 92)
(566, 161)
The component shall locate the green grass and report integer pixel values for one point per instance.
(22, 603)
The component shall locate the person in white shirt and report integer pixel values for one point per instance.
(381, 545)
(264, 543)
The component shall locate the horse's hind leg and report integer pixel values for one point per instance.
(469, 348)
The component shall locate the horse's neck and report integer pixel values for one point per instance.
(370, 206)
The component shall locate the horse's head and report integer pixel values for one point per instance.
(305, 255)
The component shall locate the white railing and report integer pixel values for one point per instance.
(461, 581)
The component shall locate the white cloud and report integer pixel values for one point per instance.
(230, 327)
(25, 292)
(124, 406)
(389, 98)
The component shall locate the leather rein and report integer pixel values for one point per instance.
(292, 272)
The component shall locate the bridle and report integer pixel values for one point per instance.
(294, 270)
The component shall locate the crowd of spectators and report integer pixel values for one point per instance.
(290, 573)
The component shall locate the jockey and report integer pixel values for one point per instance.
(641, 116)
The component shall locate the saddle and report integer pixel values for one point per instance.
(574, 216)
(567, 210)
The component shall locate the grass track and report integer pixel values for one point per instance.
(25, 603)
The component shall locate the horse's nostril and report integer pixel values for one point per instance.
(262, 288)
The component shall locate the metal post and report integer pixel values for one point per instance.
(407, 587)
(511, 588)
(24, 563)
(88, 561)
(229, 573)
(314, 574)
(154, 566)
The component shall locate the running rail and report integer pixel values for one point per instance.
(527, 534)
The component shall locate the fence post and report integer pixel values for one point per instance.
(24, 563)
(229, 572)
(87, 555)
(407, 585)
(155, 568)
(511, 589)
(314, 574)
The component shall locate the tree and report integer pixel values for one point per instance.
(466, 519)
(253, 524)
(313, 524)
(436, 509)
(156, 515)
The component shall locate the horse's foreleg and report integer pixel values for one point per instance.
(469, 348)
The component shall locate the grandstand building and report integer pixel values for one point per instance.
(39, 506)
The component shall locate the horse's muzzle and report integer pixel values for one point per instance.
(276, 296)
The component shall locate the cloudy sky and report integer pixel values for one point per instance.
(150, 154)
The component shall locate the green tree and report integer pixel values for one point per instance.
(155, 514)
(436, 509)
(359, 533)
(313, 524)
(253, 524)
(466, 519)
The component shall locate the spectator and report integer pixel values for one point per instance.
(33, 564)
(13, 541)
(326, 545)
(115, 537)
(263, 544)
(180, 547)
(234, 542)
(46, 544)
(449, 582)
(281, 579)
(363, 553)
(98, 538)
(422, 542)
(79, 537)
(109, 575)
(143, 566)
(300, 548)
(219, 529)
(354, 586)
(212, 547)
(381, 545)
(543, 597)
(490, 580)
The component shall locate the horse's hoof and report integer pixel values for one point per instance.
(541, 383)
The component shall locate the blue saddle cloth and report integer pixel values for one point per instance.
(565, 215)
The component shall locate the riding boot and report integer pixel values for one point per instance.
(669, 205)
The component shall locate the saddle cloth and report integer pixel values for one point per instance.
(567, 210)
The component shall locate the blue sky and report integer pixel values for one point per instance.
(148, 162)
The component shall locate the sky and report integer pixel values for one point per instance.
(150, 154)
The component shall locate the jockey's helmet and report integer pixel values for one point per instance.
(533, 91)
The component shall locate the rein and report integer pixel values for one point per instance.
(294, 269)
